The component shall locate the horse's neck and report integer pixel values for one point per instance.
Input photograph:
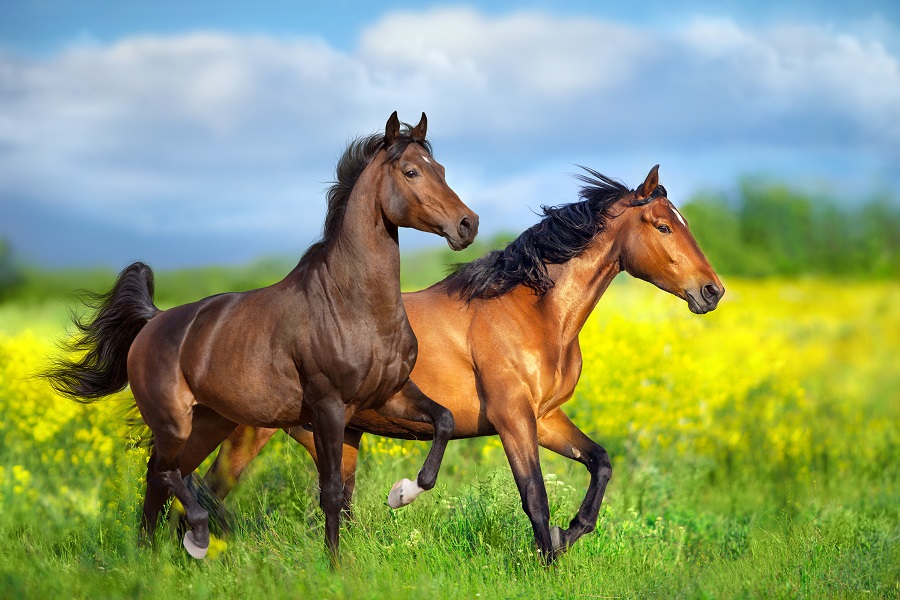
(578, 285)
(363, 259)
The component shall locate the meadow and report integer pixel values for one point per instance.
(755, 453)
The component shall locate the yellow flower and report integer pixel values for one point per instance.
(217, 547)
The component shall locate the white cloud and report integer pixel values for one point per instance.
(817, 83)
(240, 132)
(465, 50)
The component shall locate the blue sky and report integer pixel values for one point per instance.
(205, 132)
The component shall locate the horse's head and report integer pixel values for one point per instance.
(417, 194)
(657, 246)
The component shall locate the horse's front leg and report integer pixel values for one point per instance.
(329, 421)
(412, 405)
(352, 439)
(515, 422)
(557, 433)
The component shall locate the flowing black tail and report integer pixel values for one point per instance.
(95, 364)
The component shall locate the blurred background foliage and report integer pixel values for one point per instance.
(762, 229)
(768, 229)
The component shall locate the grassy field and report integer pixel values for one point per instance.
(756, 453)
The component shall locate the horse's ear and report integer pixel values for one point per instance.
(419, 131)
(650, 184)
(391, 129)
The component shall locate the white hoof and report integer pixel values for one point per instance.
(403, 493)
(556, 538)
(192, 548)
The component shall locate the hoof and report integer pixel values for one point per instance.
(192, 548)
(403, 493)
(556, 539)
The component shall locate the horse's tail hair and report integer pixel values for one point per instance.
(94, 363)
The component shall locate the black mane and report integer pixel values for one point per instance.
(356, 157)
(563, 233)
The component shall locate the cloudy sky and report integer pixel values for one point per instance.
(205, 132)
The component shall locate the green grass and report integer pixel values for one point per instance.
(819, 518)
(470, 539)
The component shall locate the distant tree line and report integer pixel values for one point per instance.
(762, 230)
(10, 274)
(772, 230)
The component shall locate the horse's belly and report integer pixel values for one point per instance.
(260, 398)
(467, 424)
(252, 385)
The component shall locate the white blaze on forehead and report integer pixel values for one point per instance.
(425, 158)
(677, 214)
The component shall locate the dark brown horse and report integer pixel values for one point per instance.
(329, 340)
(498, 342)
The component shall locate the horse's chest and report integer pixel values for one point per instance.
(560, 376)
(368, 368)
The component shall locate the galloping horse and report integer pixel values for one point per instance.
(498, 342)
(329, 340)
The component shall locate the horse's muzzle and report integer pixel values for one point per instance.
(465, 233)
(705, 298)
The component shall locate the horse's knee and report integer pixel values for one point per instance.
(171, 477)
(534, 500)
(332, 487)
(598, 463)
(331, 495)
(444, 425)
(198, 517)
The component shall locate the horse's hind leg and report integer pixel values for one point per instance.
(241, 447)
(196, 540)
(171, 430)
(154, 499)
(557, 433)
(411, 404)
(208, 430)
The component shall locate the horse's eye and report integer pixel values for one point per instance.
(664, 229)
(411, 173)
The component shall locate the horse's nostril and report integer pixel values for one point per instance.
(711, 292)
(465, 226)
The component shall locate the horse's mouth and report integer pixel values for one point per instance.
(699, 308)
(456, 244)
(460, 235)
